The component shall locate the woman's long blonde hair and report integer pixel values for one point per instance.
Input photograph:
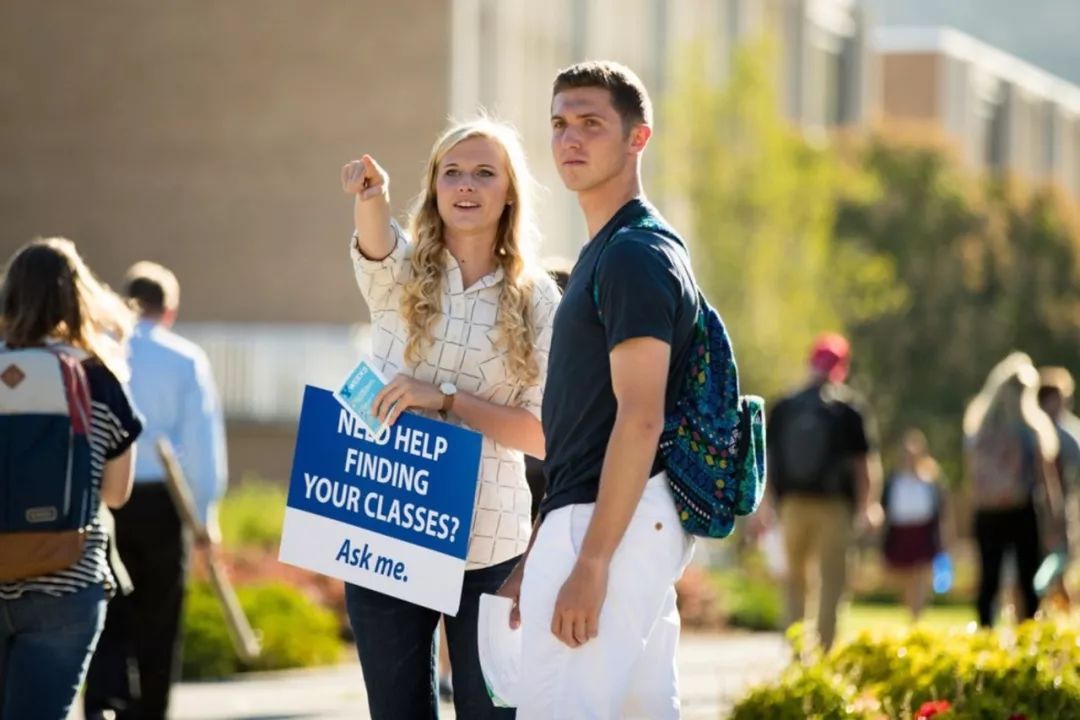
(49, 294)
(1010, 398)
(514, 243)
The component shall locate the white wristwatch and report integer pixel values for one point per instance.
(449, 391)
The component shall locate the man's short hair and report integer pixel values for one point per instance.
(628, 94)
(152, 287)
(1057, 378)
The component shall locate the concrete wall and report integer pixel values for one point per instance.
(209, 135)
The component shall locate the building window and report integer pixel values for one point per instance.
(1049, 139)
(843, 83)
(995, 127)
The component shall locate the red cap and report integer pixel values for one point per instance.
(831, 356)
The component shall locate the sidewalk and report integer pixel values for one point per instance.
(714, 669)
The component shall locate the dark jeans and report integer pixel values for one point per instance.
(45, 645)
(138, 657)
(995, 532)
(396, 644)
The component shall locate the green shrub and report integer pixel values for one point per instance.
(295, 632)
(749, 598)
(754, 605)
(252, 514)
(1027, 671)
(207, 650)
(813, 693)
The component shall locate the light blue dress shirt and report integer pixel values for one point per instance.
(173, 387)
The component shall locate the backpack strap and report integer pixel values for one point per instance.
(635, 223)
(76, 389)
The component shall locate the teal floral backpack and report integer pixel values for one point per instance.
(713, 442)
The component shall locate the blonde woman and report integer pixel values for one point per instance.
(461, 319)
(1011, 448)
(50, 623)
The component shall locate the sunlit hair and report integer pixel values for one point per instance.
(153, 288)
(514, 241)
(49, 294)
(1059, 379)
(1008, 399)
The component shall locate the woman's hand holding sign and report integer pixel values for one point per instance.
(402, 393)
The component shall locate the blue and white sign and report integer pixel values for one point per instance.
(391, 513)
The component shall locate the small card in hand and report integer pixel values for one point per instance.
(357, 394)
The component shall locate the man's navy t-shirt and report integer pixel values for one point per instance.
(646, 289)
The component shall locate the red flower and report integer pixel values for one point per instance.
(1018, 716)
(930, 708)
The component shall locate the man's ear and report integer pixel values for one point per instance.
(639, 138)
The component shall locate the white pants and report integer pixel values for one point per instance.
(628, 670)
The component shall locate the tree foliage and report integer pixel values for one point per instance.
(934, 273)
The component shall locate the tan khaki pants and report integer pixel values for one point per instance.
(816, 530)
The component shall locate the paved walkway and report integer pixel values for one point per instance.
(715, 670)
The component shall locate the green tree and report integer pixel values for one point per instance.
(934, 273)
(760, 207)
(985, 270)
(948, 249)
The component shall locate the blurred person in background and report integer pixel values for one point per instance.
(50, 623)
(138, 658)
(913, 501)
(824, 474)
(1011, 449)
(1055, 398)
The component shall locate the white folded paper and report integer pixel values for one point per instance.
(500, 650)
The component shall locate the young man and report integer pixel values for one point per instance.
(824, 479)
(597, 598)
(172, 385)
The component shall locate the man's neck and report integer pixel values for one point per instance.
(601, 203)
(162, 320)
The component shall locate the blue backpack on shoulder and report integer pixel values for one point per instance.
(47, 492)
(713, 442)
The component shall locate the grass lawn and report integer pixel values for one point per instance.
(860, 617)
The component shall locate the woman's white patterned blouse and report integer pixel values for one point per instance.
(463, 352)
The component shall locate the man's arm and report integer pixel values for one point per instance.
(861, 441)
(867, 470)
(511, 586)
(1047, 476)
(201, 448)
(639, 372)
